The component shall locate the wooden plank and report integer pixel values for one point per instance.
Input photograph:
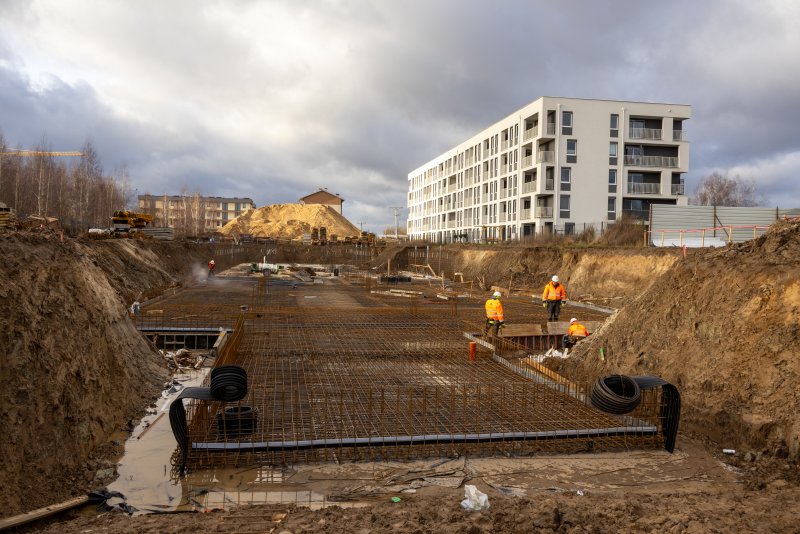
(541, 369)
(521, 330)
(557, 328)
(21, 519)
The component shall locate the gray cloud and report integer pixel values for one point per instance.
(272, 100)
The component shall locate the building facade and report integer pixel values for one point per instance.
(323, 197)
(558, 165)
(193, 214)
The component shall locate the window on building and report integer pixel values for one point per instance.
(614, 125)
(612, 153)
(612, 208)
(572, 150)
(563, 207)
(566, 178)
(566, 123)
(612, 180)
(569, 228)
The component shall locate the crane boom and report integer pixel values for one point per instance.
(39, 153)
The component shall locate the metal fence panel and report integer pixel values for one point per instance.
(723, 224)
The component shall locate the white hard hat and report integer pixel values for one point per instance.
(555, 278)
(496, 294)
(573, 320)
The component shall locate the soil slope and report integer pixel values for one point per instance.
(724, 326)
(605, 276)
(74, 370)
(290, 221)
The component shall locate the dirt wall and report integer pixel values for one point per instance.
(723, 325)
(74, 369)
(601, 275)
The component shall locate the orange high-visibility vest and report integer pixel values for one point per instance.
(552, 292)
(577, 329)
(494, 310)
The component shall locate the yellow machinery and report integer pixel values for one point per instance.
(124, 222)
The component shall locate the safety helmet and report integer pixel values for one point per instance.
(573, 320)
(496, 294)
(555, 278)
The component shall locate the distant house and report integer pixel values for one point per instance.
(323, 197)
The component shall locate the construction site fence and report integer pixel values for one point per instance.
(703, 236)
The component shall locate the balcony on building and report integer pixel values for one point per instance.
(525, 214)
(651, 156)
(549, 179)
(529, 183)
(678, 133)
(645, 128)
(545, 156)
(544, 212)
(677, 185)
(550, 124)
(644, 183)
(530, 127)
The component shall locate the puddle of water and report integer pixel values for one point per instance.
(144, 469)
(145, 473)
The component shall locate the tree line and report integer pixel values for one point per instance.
(75, 190)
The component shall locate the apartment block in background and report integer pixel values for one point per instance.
(558, 165)
(193, 214)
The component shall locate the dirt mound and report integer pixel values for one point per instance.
(723, 325)
(290, 221)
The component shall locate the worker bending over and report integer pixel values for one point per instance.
(494, 314)
(575, 333)
(553, 298)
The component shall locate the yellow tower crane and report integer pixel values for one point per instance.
(39, 153)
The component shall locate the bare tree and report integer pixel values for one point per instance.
(198, 210)
(718, 189)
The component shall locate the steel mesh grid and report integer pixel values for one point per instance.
(325, 374)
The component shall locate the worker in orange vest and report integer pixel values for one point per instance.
(211, 266)
(494, 314)
(575, 333)
(553, 297)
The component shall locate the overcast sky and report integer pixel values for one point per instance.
(273, 99)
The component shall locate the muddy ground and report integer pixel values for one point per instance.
(637, 491)
(720, 324)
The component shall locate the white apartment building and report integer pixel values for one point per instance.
(556, 165)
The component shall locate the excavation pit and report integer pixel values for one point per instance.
(349, 375)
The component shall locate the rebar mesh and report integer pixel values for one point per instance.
(336, 372)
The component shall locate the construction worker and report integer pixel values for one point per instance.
(553, 298)
(575, 333)
(211, 266)
(494, 314)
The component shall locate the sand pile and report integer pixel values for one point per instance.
(290, 221)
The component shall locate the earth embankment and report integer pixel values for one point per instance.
(723, 325)
(74, 370)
